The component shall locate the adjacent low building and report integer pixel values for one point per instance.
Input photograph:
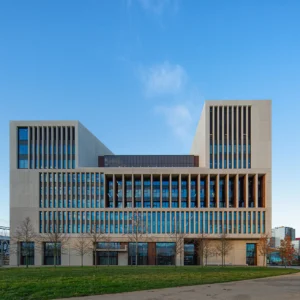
(4, 245)
(63, 178)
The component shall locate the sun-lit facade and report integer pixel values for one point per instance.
(62, 176)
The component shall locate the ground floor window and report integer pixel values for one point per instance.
(107, 258)
(142, 255)
(190, 257)
(27, 253)
(251, 254)
(52, 253)
(165, 253)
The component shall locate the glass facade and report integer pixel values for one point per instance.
(22, 148)
(184, 192)
(52, 253)
(222, 201)
(229, 137)
(27, 253)
(190, 256)
(212, 192)
(251, 259)
(165, 253)
(157, 161)
(75, 202)
(142, 254)
(46, 147)
(78, 190)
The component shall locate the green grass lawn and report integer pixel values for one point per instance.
(60, 282)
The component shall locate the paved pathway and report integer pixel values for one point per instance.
(285, 287)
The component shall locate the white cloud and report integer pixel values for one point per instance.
(157, 7)
(164, 79)
(179, 119)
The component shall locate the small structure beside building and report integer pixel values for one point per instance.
(4, 245)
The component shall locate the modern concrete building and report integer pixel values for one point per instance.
(65, 179)
(279, 233)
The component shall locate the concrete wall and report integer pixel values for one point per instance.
(201, 139)
(123, 258)
(88, 148)
(24, 202)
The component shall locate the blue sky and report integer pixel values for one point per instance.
(136, 73)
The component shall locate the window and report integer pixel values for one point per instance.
(23, 148)
(251, 254)
(142, 251)
(52, 253)
(27, 253)
(165, 253)
(107, 258)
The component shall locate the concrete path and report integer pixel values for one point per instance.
(285, 287)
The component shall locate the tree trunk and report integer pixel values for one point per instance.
(81, 260)
(26, 258)
(95, 257)
(55, 258)
(266, 261)
(136, 254)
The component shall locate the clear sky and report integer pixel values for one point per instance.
(136, 74)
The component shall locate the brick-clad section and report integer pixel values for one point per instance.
(100, 161)
(151, 253)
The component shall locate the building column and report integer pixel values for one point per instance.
(114, 191)
(151, 190)
(189, 191)
(123, 190)
(207, 191)
(255, 184)
(142, 192)
(198, 190)
(170, 190)
(227, 190)
(160, 192)
(236, 190)
(179, 190)
(246, 191)
(217, 190)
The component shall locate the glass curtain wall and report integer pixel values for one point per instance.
(52, 253)
(165, 253)
(142, 254)
(27, 253)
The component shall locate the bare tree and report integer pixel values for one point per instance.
(205, 248)
(264, 247)
(106, 239)
(95, 237)
(223, 247)
(137, 231)
(58, 241)
(82, 246)
(178, 236)
(25, 234)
